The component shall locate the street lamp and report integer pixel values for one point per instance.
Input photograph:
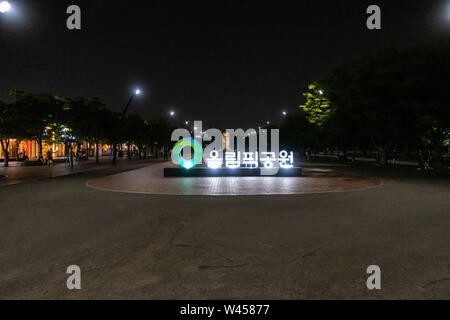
(284, 113)
(321, 92)
(170, 114)
(4, 7)
(136, 93)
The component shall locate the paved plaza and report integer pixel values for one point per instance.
(316, 243)
(150, 180)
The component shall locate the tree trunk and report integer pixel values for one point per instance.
(39, 141)
(96, 152)
(6, 164)
(382, 155)
(5, 146)
(114, 160)
(406, 152)
(437, 153)
(129, 150)
(71, 155)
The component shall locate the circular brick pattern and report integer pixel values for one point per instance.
(150, 180)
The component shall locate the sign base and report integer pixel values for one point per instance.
(227, 172)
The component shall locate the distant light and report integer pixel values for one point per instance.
(187, 122)
(137, 92)
(284, 113)
(195, 128)
(268, 122)
(172, 113)
(320, 91)
(4, 6)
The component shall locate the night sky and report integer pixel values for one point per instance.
(229, 63)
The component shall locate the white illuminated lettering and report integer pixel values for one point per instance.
(213, 161)
(286, 160)
(231, 161)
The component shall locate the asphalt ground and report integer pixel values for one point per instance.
(300, 246)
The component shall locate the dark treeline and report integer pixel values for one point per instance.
(54, 119)
(392, 101)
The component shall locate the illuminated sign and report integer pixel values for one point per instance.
(235, 160)
(178, 159)
(232, 149)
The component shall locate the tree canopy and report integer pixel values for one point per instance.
(390, 98)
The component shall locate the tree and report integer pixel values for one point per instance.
(39, 113)
(10, 128)
(160, 132)
(113, 132)
(98, 123)
(136, 131)
(317, 107)
(86, 117)
(297, 132)
(391, 98)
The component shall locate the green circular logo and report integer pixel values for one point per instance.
(178, 159)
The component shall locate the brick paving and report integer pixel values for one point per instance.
(150, 180)
(18, 173)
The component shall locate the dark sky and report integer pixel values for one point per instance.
(229, 63)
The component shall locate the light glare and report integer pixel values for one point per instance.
(4, 6)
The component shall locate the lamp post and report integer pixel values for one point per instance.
(166, 148)
(136, 93)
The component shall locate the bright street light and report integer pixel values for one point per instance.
(284, 113)
(172, 113)
(4, 6)
(136, 93)
(187, 122)
(268, 122)
(321, 92)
